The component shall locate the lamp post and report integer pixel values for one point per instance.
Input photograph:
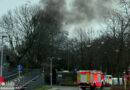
(51, 71)
(129, 73)
(51, 66)
(124, 79)
(102, 43)
(2, 55)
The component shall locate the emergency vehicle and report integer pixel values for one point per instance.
(90, 78)
(108, 79)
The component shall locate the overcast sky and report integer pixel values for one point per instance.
(6, 5)
(85, 14)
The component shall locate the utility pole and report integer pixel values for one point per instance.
(51, 71)
(2, 54)
(68, 56)
(124, 79)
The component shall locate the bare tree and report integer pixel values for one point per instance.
(119, 27)
(19, 28)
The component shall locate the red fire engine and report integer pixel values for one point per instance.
(91, 78)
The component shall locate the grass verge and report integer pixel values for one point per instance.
(68, 83)
(44, 87)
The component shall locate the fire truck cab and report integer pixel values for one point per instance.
(90, 78)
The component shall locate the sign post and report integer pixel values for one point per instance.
(51, 72)
(19, 67)
(124, 80)
(129, 73)
(105, 77)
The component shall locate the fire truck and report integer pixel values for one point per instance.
(90, 78)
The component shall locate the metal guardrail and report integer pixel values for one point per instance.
(10, 77)
(31, 80)
(28, 78)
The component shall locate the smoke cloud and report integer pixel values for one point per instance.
(80, 10)
(54, 8)
(79, 13)
(89, 10)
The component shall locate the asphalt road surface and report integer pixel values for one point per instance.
(76, 88)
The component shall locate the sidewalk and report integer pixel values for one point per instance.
(53, 89)
(64, 88)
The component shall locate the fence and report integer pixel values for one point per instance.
(117, 81)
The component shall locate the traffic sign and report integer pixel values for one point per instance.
(124, 72)
(75, 70)
(3, 84)
(105, 73)
(129, 69)
(1, 79)
(19, 67)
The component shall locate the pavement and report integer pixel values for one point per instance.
(73, 88)
(63, 88)
(54, 89)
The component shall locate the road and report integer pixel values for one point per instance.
(31, 80)
(28, 81)
(73, 88)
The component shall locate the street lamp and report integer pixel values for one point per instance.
(51, 58)
(102, 42)
(2, 55)
(116, 50)
(88, 46)
(129, 72)
(51, 71)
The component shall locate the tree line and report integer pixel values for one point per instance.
(35, 36)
